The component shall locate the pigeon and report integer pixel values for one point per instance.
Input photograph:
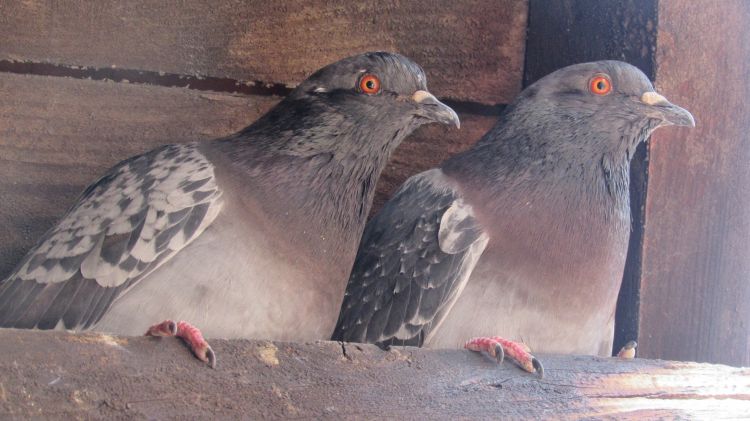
(250, 235)
(524, 234)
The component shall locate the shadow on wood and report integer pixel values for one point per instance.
(56, 374)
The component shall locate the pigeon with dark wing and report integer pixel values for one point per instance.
(524, 235)
(252, 235)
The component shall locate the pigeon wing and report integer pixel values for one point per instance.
(414, 259)
(144, 211)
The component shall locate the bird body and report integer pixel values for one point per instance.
(559, 243)
(531, 265)
(523, 235)
(251, 235)
(272, 266)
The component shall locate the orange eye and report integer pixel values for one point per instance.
(600, 85)
(369, 84)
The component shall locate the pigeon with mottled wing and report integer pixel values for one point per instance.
(525, 234)
(251, 235)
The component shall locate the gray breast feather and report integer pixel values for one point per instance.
(413, 261)
(126, 224)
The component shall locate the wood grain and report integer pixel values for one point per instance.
(59, 375)
(57, 135)
(695, 299)
(471, 50)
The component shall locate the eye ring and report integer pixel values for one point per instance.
(369, 84)
(600, 85)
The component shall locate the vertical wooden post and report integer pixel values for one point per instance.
(695, 295)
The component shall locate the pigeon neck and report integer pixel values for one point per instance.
(511, 160)
(325, 173)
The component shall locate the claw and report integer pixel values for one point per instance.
(165, 328)
(190, 335)
(498, 348)
(205, 354)
(211, 357)
(538, 367)
(499, 353)
(491, 346)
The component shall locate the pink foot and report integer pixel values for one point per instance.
(188, 333)
(498, 348)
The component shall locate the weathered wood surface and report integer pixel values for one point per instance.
(471, 50)
(695, 299)
(57, 135)
(59, 375)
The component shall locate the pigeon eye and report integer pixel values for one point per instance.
(600, 85)
(369, 84)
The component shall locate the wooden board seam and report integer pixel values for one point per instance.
(200, 83)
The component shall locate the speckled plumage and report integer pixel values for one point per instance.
(524, 235)
(251, 235)
(122, 228)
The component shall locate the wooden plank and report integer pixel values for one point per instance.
(565, 32)
(471, 50)
(57, 135)
(695, 300)
(59, 375)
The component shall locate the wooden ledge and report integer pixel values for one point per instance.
(62, 375)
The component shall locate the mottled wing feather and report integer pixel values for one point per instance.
(141, 213)
(415, 257)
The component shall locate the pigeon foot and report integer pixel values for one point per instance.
(188, 333)
(499, 348)
(628, 351)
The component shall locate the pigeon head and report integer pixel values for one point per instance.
(578, 126)
(323, 147)
(361, 106)
(598, 107)
(378, 85)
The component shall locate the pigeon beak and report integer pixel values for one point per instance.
(665, 111)
(431, 108)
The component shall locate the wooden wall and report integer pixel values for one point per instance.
(86, 84)
(695, 288)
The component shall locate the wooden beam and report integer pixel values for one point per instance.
(695, 299)
(61, 375)
(471, 50)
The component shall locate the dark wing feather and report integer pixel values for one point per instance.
(415, 256)
(133, 219)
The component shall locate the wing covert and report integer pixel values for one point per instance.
(130, 221)
(414, 259)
